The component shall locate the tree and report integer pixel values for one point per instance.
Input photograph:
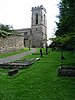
(6, 28)
(59, 43)
(66, 17)
(3, 33)
(66, 24)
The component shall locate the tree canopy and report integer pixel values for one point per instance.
(5, 30)
(65, 33)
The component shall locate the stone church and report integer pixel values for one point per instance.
(36, 36)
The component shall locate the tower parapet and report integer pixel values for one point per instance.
(39, 8)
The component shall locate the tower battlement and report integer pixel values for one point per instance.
(38, 8)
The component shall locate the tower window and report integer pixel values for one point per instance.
(44, 19)
(36, 18)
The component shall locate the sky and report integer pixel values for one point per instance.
(18, 13)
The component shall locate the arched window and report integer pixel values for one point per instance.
(36, 18)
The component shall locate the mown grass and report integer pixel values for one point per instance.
(3, 55)
(40, 81)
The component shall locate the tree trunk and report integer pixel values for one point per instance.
(62, 55)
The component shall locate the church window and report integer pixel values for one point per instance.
(44, 19)
(36, 18)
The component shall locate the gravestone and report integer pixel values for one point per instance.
(12, 72)
(66, 71)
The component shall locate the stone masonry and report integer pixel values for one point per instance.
(39, 26)
(11, 43)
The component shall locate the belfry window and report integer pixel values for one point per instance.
(36, 18)
(44, 19)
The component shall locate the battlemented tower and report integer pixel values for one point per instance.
(39, 26)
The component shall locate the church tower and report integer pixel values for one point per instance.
(39, 26)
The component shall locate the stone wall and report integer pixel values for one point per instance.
(11, 43)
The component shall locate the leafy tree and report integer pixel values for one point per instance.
(66, 17)
(66, 24)
(6, 28)
(3, 33)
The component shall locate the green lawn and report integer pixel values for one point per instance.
(2, 55)
(40, 81)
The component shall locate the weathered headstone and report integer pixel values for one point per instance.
(12, 72)
(66, 71)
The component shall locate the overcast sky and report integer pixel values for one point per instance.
(18, 13)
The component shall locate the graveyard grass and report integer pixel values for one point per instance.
(40, 81)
